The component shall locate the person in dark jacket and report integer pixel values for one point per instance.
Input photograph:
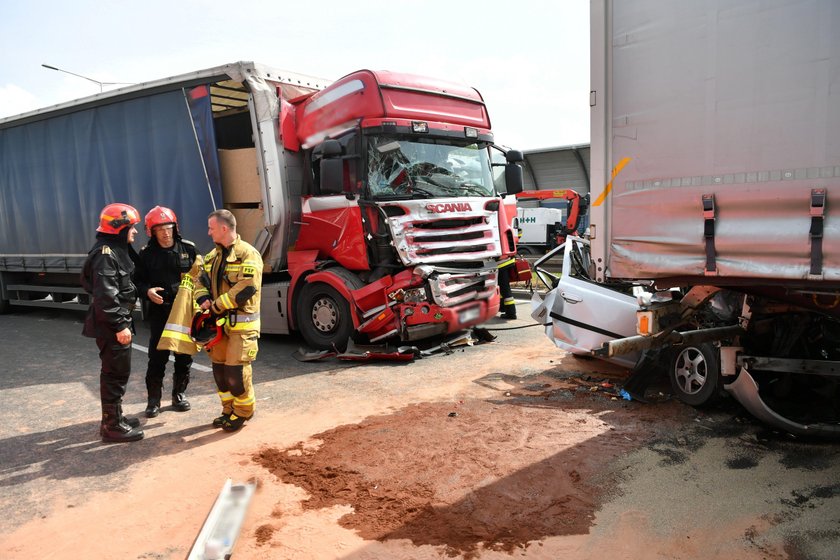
(106, 276)
(160, 266)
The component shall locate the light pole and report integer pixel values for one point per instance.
(101, 84)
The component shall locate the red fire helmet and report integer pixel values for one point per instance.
(158, 216)
(205, 329)
(116, 217)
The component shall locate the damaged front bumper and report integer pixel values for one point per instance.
(745, 391)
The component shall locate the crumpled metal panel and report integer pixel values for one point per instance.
(745, 390)
(451, 289)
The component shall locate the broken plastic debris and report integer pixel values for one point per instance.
(625, 395)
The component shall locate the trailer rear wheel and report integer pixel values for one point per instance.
(323, 317)
(695, 374)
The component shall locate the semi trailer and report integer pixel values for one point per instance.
(377, 200)
(712, 249)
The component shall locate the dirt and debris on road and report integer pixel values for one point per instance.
(496, 475)
(504, 450)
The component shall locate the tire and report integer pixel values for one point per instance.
(695, 374)
(323, 317)
(527, 251)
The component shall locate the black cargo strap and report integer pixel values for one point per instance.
(709, 232)
(817, 218)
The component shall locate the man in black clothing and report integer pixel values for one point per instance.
(161, 263)
(106, 276)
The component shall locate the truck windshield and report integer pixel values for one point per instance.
(434, 168)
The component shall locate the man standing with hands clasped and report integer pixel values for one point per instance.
(230, 290)
(106, 276)
(161, 264)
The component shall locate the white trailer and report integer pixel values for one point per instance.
(715, 152)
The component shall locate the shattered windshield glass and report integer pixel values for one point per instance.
(399, 168)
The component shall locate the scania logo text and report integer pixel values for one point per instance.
(449, 207)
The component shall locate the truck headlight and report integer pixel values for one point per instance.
(415, 295)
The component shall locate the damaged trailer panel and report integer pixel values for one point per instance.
(715, 141)
(715, 156)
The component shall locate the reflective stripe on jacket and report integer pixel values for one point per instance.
(235, 277)
(176, 332)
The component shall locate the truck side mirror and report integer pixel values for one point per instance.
(332, 176)
(514, 156)
(513, 178)
(331, 167)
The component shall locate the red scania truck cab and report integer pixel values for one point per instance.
(403, 216)
(376, 201)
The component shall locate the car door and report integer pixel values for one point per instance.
(580, 315)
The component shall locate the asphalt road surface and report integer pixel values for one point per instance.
(665, 480)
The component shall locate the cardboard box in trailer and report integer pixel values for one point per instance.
(715, 164)
(375, 200)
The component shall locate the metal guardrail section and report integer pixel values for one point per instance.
(221, 529)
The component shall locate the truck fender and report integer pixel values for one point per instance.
(342, 280)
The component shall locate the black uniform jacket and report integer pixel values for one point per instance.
(159, 267)
(106, 276)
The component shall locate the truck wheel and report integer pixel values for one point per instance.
(323, 317)
(527, 251)
(695, 374)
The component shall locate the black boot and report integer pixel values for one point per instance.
(154, 390)
(114, 429)
(180, 402)
(180, 380)
(152, 408)
(132, 422)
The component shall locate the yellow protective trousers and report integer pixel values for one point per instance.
(232, 356)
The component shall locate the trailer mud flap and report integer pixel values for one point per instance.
(745, 390)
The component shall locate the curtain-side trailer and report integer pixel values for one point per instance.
(376, 200)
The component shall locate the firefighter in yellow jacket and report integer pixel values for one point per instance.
(230, 289)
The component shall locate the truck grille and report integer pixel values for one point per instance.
(424, 237)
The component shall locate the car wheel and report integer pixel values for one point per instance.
(695, 373)
(323, 317)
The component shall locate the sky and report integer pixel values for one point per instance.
(529, 59)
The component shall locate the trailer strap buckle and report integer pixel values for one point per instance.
(818, 200)
(708, 201)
